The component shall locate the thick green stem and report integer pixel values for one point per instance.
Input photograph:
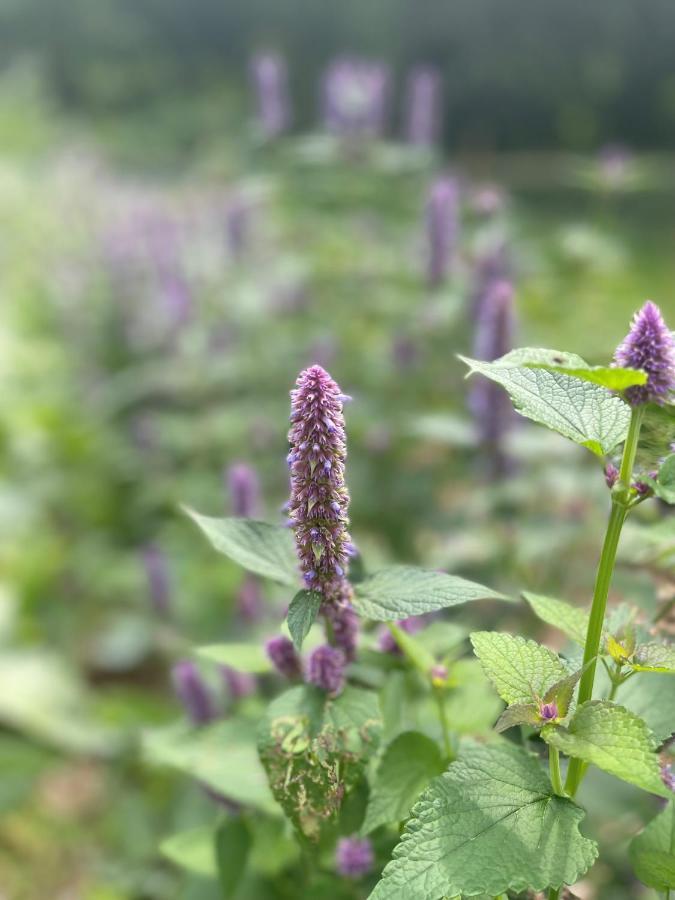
(554, 893)
(554, 770)
(603, 579)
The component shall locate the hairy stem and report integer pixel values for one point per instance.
(603, 579)
(554, 770)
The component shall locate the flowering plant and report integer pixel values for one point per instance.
(387, 725)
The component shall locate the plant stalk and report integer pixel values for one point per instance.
(554, 770)
(603, 579)
(445, 725)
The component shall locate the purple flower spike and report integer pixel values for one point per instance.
(668, 776)
(423, 101)
(244, 490)
(239, 684)
(548, 711)
(326, 669)
(344, 624)
(192, 692)
(154, 562)
(649, 346)
(283, 656)
(442, 226)
(319, 498)
(249, 599)
(354, 857)
(270, 80)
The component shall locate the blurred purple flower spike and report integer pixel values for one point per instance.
(442, 229)
(423, 106)
(157, 573)
(192, 692)
(354, 857)
(243, 487)
(239, 684)
(355, 97)
(270, 80)
(283, 657)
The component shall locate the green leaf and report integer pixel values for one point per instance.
(192, 850)
(562, 691)
(408, 765)
(302, 614)
(250, 658)
(652, 852)
(259, 547)
(413, 650)
(665, 483)
(583, 412)
(654, 657)
(473, 705)
(521, 670)
(232, 846)
(653, 699)
(519, 714)
(569, 619)
(401, 591)
(613, 739)
(314, 749)
(491, 823)
(222, 756)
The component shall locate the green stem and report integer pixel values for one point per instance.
(445, 725)
(553, 893)
(554, 770)
(603, 579)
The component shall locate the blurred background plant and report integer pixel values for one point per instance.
(197, 201)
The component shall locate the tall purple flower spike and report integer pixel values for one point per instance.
(326, 669)
(442, 226)
(423, 99)
(283, 657)
(319, 498)
(249, 599)
(192, 692)
(354, 95)
(354, 857)
(650, 346)
(244, 490)
(157, 574)
(343, 622)
(239, 684)
(270, 80)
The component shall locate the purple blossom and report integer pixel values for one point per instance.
(439, 674)
(668, 776)
(355, 97)
(239, 684)
(386, 641)
(442, 227)
(282, 654)
(423, 106)
(157, 574)
(649, 346)
(244, 490)
(491, 267)
(326, 669)
(270, 80)
(249, 599)
(354, 857)
(611, 475)
(192, 692)
(344, 625)
(548, 711)
(319, 498)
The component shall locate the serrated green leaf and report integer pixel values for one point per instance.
(302, 613)
(583, 412)
(259, 547)
(613, 378)
(652, 852)
(665, 483)
(491, 823)
(562, 691)
(222, 756)
(615, 740)
(654, 657)
(314, 749)
(521, 670)
(653, 699)
(192, 850)
(401, 591)
(232, 846)
(250, 658)
(519, 714)
(569, 619)
(408, 765)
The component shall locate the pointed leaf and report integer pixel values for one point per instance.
(521, 670)
(491, 823)
(583, 412)
(401, 591)
(613, 739)
(652, 852)
(519, 714)
(408, 765)
(232, 847)
(259, 547)
(302, 613)
(562, 692)
(569, 619)
(654, 657)
(250, 658)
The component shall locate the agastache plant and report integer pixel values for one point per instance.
(402, 737)
(270, 81)
(442, 227)
(423, 106)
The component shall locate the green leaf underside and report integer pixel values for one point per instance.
(519, 714)
(489, 824)
(401, 591)
(569, 619)
(192, 850)
(652, 852)
(521, 670)
(408, 765)
(613, 739)
(222, 756)
(302, 613)
(654, 657)
(261, 548)
(250, 658)
(611, 377)
(665, 483)
(232, 846)
(584, 412)
(653, 699)
(314, 749)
